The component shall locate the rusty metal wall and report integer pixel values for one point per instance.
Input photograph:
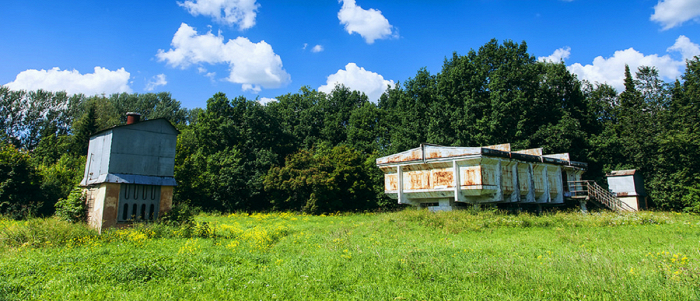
(490, 174)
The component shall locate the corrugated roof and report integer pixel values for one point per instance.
(618, 173)
(135, 124)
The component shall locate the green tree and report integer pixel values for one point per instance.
(322, 180)
(82, 129)
(20, 193)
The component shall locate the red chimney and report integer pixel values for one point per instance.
(132, 117)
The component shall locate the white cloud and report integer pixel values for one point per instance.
(357, 78)
(611, 70)
(156, 81)
(317, 48)
(559, 55)
(230, 12)
(687, 48)
(672, 13)
(369, 23)
(102, 81)
(265, 100)
(253, 65)
(210, 75)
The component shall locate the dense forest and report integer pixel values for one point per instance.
(315, 152)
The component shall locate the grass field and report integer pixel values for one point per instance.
(406, 255)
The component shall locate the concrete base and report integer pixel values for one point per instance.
(103, 204)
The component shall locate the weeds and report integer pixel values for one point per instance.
(411, 255)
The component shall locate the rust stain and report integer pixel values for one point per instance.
(532, 151)
(472, 176)
(507, 180)
(628, 172)
(501, 147)
(524, 182)
(443, 178)
(433, 155)
(391, 182)
(411, 156)
(564, 156)
(418, 180)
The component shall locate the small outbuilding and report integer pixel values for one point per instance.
(129, 173)
(628, 186)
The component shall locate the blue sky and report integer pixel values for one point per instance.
(263, 49)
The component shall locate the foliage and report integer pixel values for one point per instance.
(231, 154)
(60, 178)
(322, 181)
(20, 194)
(74, 207)
(180, 214)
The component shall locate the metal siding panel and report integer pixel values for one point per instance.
(505, 147)
(622, 184)
(391, 182)
(563, 157)
(523, 182)
(471, 175)
(507, 177)
(442, 178)
(531, 152)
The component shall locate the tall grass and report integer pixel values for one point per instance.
(406, 255)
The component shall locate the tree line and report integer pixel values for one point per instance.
(314, 152)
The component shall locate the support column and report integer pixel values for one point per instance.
(399, 176)
(457, 176)
(531, 183)
(546, 197)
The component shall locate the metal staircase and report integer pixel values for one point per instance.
(590, 190)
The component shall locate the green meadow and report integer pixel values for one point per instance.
(405, 255)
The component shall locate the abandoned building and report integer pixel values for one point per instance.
(445, 178)
(129, 172)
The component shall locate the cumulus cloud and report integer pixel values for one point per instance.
(559, 55)
(156, 81)
(317, 48)
(265, 100)
(230, 12)
(611, 70)
(369, 23)
(357, 78)
(253, 65)
(101, 81)
(687, 48)
(672, 13)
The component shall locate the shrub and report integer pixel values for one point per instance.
(48, 232)
(20, 193)
(73, 208)
(180, 214)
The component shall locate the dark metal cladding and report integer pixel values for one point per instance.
(526, 157)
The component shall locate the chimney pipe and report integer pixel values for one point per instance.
(132, 117)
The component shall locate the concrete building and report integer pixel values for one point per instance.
(129, 173)
(443, 178)
(628, 186)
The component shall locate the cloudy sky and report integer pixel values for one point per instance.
(263, 49)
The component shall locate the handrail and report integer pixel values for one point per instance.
(591, 190)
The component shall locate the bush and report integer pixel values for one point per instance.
(59, 180)
(48, 232)
(180, 214)
(20, 193)
(74, 207)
